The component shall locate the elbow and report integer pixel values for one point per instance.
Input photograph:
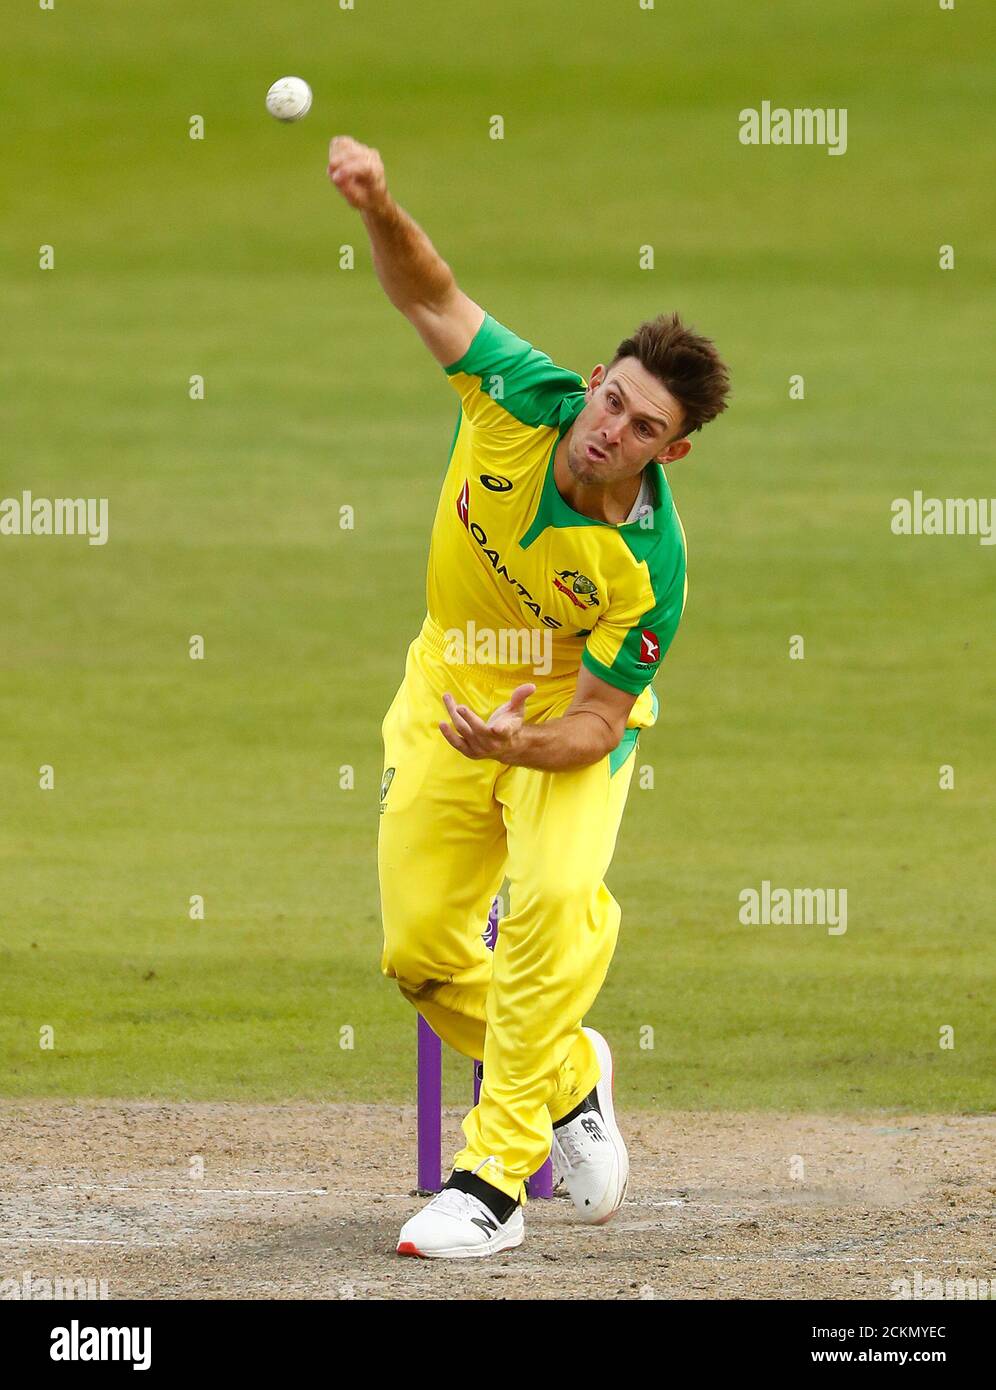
(607, 743)
(436, 293)
(601, 734)
(615, 733)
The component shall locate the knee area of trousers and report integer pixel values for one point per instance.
(409, 967)
(561, 899)
(407, 935)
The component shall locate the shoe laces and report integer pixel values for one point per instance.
(571, 1147)
(576, 1140)
(455, 1202)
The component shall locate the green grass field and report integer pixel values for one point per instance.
(221, 777)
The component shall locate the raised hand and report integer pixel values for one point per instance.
(358, 172)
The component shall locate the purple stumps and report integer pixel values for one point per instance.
(430, 1109)
(430, 1100)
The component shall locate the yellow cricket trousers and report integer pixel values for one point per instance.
(451, 828)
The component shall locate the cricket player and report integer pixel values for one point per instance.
(556, 581)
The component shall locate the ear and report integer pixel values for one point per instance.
(674, 451)
(595, 380)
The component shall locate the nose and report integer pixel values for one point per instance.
(612, 431)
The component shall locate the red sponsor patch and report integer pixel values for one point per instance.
(463, 503)
(650, 648)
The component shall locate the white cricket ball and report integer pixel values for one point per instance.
(289, 99)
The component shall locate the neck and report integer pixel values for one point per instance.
(609, 502)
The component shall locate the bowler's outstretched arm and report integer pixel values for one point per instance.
(414, 275)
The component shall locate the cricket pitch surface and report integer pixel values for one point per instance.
(228, 1201)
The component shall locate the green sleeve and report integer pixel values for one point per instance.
(500, 369)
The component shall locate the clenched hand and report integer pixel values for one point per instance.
(357, 171)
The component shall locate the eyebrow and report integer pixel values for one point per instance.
(652, 419)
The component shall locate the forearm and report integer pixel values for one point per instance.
(408, 266)
(562, 745)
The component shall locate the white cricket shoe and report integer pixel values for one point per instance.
(589, 1156)
(456, 1226)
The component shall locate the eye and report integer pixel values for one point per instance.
(644, 429)
(613, 399)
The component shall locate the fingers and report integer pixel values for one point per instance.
(469, 734)
(454, 740)
(340, 146)
(463, 718)
(345, 152)
(347, 168)
(519, 696)
(476, 724)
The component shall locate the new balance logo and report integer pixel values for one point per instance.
(487, 1225)
(593, 1128)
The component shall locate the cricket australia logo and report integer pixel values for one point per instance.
(581, 591)
(385, 786)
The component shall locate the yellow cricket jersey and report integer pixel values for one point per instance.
(508, 553)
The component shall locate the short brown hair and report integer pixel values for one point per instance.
(685, 362)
